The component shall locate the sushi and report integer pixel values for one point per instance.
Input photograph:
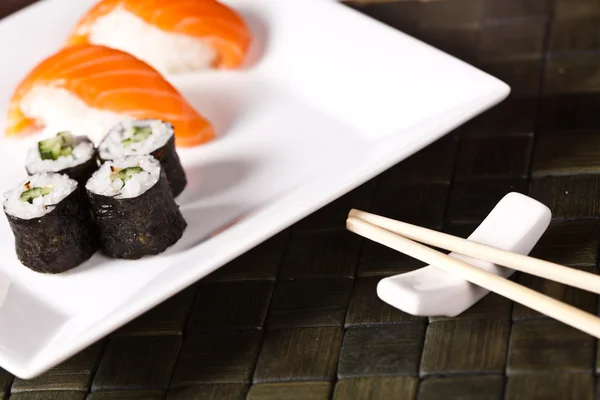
(142, 137)
(74, 156)
(174, 36)
(89, 88)
(134, 210)
(53, 229)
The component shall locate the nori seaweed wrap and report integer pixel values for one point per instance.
(52, 227)
(146, 137)
(74, 156)
(134, 210)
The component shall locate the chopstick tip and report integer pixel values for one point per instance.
(353, 213)
(350, 222)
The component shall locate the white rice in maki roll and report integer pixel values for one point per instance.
(134, 210)
(38, 195)
(52, 226)
(146, 137)
(64, 153)
(133, 137)
(125, 178)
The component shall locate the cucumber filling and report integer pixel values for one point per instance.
(125, 174)
(59, 146)
(138, 134)
(35, 192)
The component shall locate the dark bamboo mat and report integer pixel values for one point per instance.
(298, 317)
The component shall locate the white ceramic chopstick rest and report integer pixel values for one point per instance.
(515, 224)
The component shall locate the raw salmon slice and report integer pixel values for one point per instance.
(89, 88)
(174, 36)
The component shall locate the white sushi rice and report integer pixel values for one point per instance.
(82, 152)
(165, 51)
(101, 182)
(112, 146)
(62, 187)
(60, 110)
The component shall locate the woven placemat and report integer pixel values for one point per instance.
(298, 317)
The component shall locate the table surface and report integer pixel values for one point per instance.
(298, 317)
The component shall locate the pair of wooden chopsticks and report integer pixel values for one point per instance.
(403, 237)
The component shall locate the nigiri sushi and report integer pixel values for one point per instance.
(174, 36)
(90, 88)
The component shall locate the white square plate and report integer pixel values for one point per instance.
(329, 99)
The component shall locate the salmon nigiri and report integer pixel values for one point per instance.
(174, 36)
(90, 88)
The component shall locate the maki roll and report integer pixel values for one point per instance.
(53, 229)
(74, 156)
(134, 210)
(149, 136)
